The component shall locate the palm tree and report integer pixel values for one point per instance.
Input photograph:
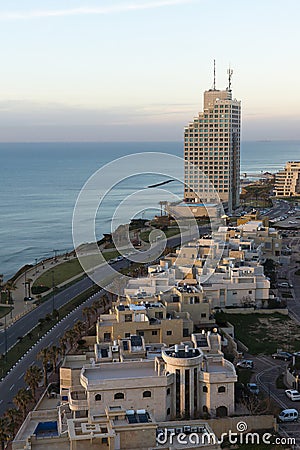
(94, 308)
(22, 399)
(9, 286)
(87, 314)
(98, 304)
(70, 336)
(44, 356)
(33, 377)
(54, 352)
(15, 417)
(79, 328)
(5, 431)
(63, 345)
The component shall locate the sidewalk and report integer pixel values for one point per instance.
(20, 307)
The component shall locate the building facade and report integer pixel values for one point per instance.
(212, 151)
(287, 181)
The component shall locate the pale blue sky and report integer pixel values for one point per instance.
(136, 69)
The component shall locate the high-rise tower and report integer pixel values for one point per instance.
(212, 144)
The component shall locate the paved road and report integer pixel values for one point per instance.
(14, 380)
(265, 378)
(30, 320)
(267, 368)
(280, 208)
(10, 385)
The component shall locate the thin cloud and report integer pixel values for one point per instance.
(23, 15)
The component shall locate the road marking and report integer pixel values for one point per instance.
(12, 386)
(1, 401)
(21, 376)
(66, 327)
(50, 343)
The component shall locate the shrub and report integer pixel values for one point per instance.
(39, 289)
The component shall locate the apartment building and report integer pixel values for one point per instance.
(212, 151)
(236, 284)
(287, 181)
(148, 318)
(188, 380)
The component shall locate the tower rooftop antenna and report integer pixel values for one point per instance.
(229, 72)
(214, 75)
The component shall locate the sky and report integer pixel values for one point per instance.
(135, 70)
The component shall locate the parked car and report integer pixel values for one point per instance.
(245, 364)
(283, 285)
(285, 356)
(253, 388)
(288, 415)
(28, 299)
(292, 394)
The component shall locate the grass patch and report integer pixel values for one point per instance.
(69, 269)
(4, 310)
(264, 333)
(172, 231)
(27, 341)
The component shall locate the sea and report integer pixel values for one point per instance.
(40, 182)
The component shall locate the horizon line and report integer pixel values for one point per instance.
(133, 141)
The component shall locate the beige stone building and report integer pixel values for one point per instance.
(116, 429)
(287, 181)
(148, 318)
(212, 151)
(187, 380)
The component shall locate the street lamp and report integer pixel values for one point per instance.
(53, 293)
(5, 338)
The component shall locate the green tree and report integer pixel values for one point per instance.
(5, 431)
(33, 377)
(79, 328)
(22, 400)
(15, 417)
(63, 345)
(44, 356)
(87, 314)
(54, 353)
(71, 337)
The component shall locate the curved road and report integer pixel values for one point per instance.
(10, 385)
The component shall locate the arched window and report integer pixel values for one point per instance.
(98, 397)
(221, 389)
(119, 396)
(146, 394)
(205, 389)
(205, 409)
(168, 391)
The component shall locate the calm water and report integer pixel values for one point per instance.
(40, 183)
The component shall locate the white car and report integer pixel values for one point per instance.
(293, 395)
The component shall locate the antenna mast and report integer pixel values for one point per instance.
(214, 74)
(230, 72)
